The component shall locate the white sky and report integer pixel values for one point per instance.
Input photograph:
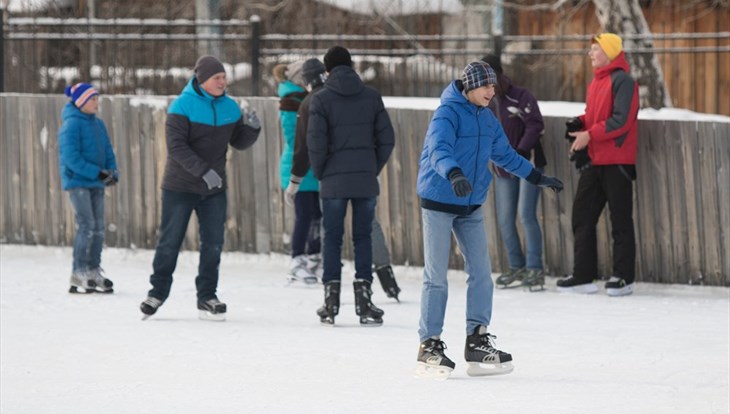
(398, 7)
(666, 349)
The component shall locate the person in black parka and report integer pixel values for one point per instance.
(349, 138)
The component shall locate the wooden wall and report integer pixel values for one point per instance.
(681, 212)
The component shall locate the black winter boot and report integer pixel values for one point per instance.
(387, 281)
(331, 306)
(369, 314)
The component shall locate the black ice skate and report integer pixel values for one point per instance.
(617, 286)
(572, 284)
(370, 315)
(212, 310)
(511, 278)
(150, 306)
(534, 280)
(483, 358)
(82, 282)
(103, 285)
(331, 306)
(387, 281)
(432, 362)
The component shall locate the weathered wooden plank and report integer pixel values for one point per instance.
(710, 217)
(679, 267)
(689, 146)
(646, 237)
(722, 166)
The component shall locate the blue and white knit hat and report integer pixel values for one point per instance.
(477, 74)
(80, 93)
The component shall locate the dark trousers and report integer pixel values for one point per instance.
(177, 207)
(598, 185)
(305, 237)
(333, 217)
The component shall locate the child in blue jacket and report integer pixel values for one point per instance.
(87, 165)
(453, 179)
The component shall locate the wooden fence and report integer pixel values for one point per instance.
(682, 197)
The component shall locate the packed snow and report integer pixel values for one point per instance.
(666, 349)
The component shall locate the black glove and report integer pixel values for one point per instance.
(540, 180)
(581, 159)
(107, 177)
(459, 183)
(572, 125)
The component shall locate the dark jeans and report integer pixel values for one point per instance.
(333, 214)
(176, 210)
(598, 185)
(88, 205)
(305, 237)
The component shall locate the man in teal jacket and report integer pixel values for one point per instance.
(453, 179)
(201, 123)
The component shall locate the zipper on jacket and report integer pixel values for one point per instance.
(476, 159)
(215, 115)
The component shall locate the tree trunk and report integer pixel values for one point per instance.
(624, 17)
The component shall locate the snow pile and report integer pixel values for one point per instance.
(665, 349)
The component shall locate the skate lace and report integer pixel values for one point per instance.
(436, 347)
(488, 340)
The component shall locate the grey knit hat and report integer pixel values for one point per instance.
(206, 67)
(477, 74)
(312, 71)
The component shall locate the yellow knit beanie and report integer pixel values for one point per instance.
(610, 43)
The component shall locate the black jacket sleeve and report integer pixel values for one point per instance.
(317, 136)
(243, 136)
(384, 135)
(300, 160)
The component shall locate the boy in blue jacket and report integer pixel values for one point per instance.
(87, 165)
(453, 179)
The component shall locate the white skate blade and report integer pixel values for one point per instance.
(514, 284)
(207, 316)
(425, 371)
(587, 289)
(80, 290)
(623, 291)
(481, 370)
(145, 316)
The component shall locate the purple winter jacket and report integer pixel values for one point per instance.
(518, 112)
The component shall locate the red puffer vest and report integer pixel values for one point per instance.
(612, 106)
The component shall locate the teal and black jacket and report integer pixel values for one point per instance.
(198, 130)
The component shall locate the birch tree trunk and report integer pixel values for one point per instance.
(625, 17)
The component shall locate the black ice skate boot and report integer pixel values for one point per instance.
(150, 306)
(482, 357)
(369, 314)
(103, 284)
(432, 362)
(534, 280)
(387, 281)
(82, 282)
(212, 310)
(331, 306)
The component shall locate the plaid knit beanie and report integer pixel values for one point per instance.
(477, 74)
(610, 43)
(80, 93)
(206, 67)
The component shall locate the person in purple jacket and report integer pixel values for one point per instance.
(518, 112)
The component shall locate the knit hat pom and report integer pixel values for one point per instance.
(610, 43)
(80, 93)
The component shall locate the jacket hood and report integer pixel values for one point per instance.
(343, 80)
(453, 93)
(619, 63)
(71, 111)
(504, 84)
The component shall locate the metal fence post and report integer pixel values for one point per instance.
(255, 54)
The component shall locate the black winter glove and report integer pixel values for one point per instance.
(581, 159)
(540, 180)
(107, 177)
(572, 125)
(459, 183)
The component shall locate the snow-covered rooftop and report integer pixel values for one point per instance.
(398, 7)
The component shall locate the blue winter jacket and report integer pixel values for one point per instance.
(84, 149)
(466, 136)
(291, 96)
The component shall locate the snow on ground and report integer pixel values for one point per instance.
(666, 349)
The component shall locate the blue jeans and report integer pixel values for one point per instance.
(514, 195)
(88, 205)
(333, 217)
(307, 216)
(177, 207)
(472, 238)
